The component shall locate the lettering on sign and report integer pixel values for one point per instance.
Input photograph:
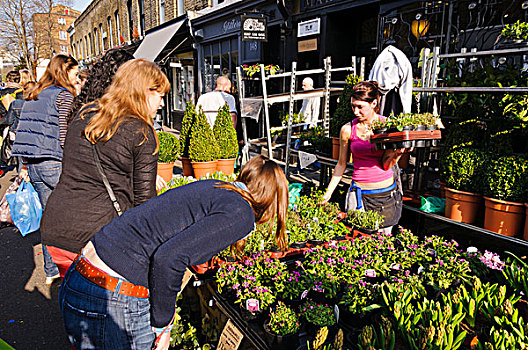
(307, 4)
(231, 24)
(230, 338)
(311, 27)
(307, 45)
(254, 28)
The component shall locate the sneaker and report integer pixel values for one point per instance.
(49, 280)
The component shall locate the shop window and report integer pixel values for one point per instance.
(183, 86)
(162, 11)
(110, 31)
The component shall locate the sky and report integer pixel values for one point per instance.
(80, 5)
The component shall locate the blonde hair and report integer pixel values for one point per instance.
(268, 196)
(126, 97)
(25, 77)
(56, 74)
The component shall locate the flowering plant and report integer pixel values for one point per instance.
(251, 70)
(283, 320)
(319, 314)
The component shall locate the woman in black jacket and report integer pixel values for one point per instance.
(119, 127)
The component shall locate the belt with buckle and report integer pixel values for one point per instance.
(94, 275)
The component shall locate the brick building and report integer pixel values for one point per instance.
(50, 31)
(109, 23)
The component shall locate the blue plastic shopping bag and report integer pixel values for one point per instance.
(26, 210)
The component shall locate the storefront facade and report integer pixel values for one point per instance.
(219, 46)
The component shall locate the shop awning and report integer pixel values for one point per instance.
(156, 40)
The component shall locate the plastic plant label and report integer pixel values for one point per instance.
(318, 289)
(472, 250)
(304, 294)
(230, 338)
(336, 313)
(252, 305)
(370, 273)
(420, 269)
(396, 266)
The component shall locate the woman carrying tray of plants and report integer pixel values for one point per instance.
(120, 293)
(118, 126)
(374, 181)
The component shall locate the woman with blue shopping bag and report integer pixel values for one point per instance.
(41, 132)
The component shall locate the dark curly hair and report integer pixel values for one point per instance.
(100, 76)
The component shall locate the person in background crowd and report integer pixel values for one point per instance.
(9, 93)
(41, 132)
(119, 128)
(99, 78)
(13, 115)
(212, 101)
(83, 75)
(310, 106)
(9, 134)
(374, 181)
(133, 267)
(25, 77)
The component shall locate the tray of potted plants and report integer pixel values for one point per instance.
(406, 131)
(399, 289)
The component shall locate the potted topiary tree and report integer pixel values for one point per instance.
(188, 119)
(203, 149)
(226, 140)
(169, 147)
(464, 170)
(505, 193)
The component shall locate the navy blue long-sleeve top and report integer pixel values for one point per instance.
(153, 243)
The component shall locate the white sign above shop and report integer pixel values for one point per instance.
(310, 27)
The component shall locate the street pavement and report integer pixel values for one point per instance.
(29, 312)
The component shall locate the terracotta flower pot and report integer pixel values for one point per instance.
(201, 169)
(165, 170)
(506, 218)
(335, 147)
(227, 166)
(187, 166)
(526, 222)
(462, 206)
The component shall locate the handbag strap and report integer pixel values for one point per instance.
(105, 181)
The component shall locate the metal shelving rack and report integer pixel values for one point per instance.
(291, 97)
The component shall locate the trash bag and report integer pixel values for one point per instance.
(5, 213)
(26, 210)
(295, 193)
(433, 205)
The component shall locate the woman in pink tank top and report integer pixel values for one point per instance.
(375, 172)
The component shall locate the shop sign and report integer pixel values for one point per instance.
(254, 28)
(231, 25)
(307, 45)
(230, 338)
(310, 27)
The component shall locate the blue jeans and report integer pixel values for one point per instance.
(96, 318)
(44, 177)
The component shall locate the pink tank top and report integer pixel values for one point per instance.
(367, 161)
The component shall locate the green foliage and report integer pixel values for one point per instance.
(507, 179)
(318, 314)
(343, 113)
(296, 119)
(253, 69)
(183, 335)
(188, 120)
(515, 31)
(318, 139)
(225, 134)
(516, 273)
(371, 220)
(283, 320)
(384, 338)
(169, 147)
(464, 169)
(202, 145)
